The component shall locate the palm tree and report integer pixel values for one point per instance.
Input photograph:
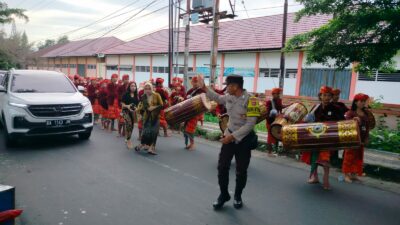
(7, 15)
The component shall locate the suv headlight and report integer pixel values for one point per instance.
(86, 103)
(18, 105)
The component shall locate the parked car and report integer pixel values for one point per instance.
(40, 103)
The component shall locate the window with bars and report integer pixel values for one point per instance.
(378, 76)
(274, 72)
(125, 68)
(112, 67)
(72, 65)
(91, 66)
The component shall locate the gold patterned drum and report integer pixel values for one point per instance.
(276, 127)
(263, 112)
(290, 115)
(321, 136)
(188, 109)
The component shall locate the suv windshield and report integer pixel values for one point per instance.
(43, 83)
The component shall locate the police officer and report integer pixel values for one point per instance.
(239, 138)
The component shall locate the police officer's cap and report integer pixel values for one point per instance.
(234, 79)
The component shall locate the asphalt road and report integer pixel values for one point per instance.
(62, 181)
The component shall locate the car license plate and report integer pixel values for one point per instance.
(57, 123)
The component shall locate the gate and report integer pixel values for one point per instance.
(313, 79)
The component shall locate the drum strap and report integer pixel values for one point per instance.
(273, 104)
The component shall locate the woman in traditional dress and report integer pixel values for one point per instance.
(112, 101)
(129, 104)
(149, 107)
(353, 159)
(93, 91)
(105, 122)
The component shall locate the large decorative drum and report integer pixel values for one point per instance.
(188, 109)
(263, 112)
(290, 115)
(321, 136)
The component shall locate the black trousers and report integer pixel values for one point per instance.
(242, 154)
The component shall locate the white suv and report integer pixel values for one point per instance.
(40, 103)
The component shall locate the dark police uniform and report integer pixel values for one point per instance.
(243, 112)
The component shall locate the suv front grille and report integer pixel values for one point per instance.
(55, 110)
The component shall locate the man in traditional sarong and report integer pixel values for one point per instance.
(322, 112)
(190, 125)
(274, 108)
(164, 96)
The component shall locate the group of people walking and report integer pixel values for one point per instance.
(124, 102)
(121, 103)
(329, 108)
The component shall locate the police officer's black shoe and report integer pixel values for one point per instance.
(237, 202)
(221, 201)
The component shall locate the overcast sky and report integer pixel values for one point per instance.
(51, 18)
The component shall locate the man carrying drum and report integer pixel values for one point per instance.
(239, 138)
(274, 107)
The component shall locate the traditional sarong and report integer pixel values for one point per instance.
(96, 107)
(113, 110)
(316, 158)
(150, 132)
(163, 121)
(353, 161)
(190, 126)
(129, 118)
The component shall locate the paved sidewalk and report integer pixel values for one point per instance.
(371, 156)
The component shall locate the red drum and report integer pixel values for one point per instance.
(321, 136)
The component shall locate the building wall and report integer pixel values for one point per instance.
(386, 91)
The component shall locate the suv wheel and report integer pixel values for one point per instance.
(85, 135)
(9, 140)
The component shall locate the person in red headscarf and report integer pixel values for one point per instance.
(335, 99)
(112, 101)
(343, 109)
(274, 108)
(322, 112)
(165, 97)
(77, 80)
(190, 125)
(105, 122)
(176, 97)
(93, 91)
(122, 87)
(353, 159)
(220, 109)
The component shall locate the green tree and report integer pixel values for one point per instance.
(63, 39)
(363, 31)
(46, 43)
(7, 14)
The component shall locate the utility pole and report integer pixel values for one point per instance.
(214, 42)
(187, 35)
(170, 42)
(282, 64)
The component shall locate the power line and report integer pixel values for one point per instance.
(92, 23)
(119, 25)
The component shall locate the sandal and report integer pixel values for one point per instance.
(137, 148)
